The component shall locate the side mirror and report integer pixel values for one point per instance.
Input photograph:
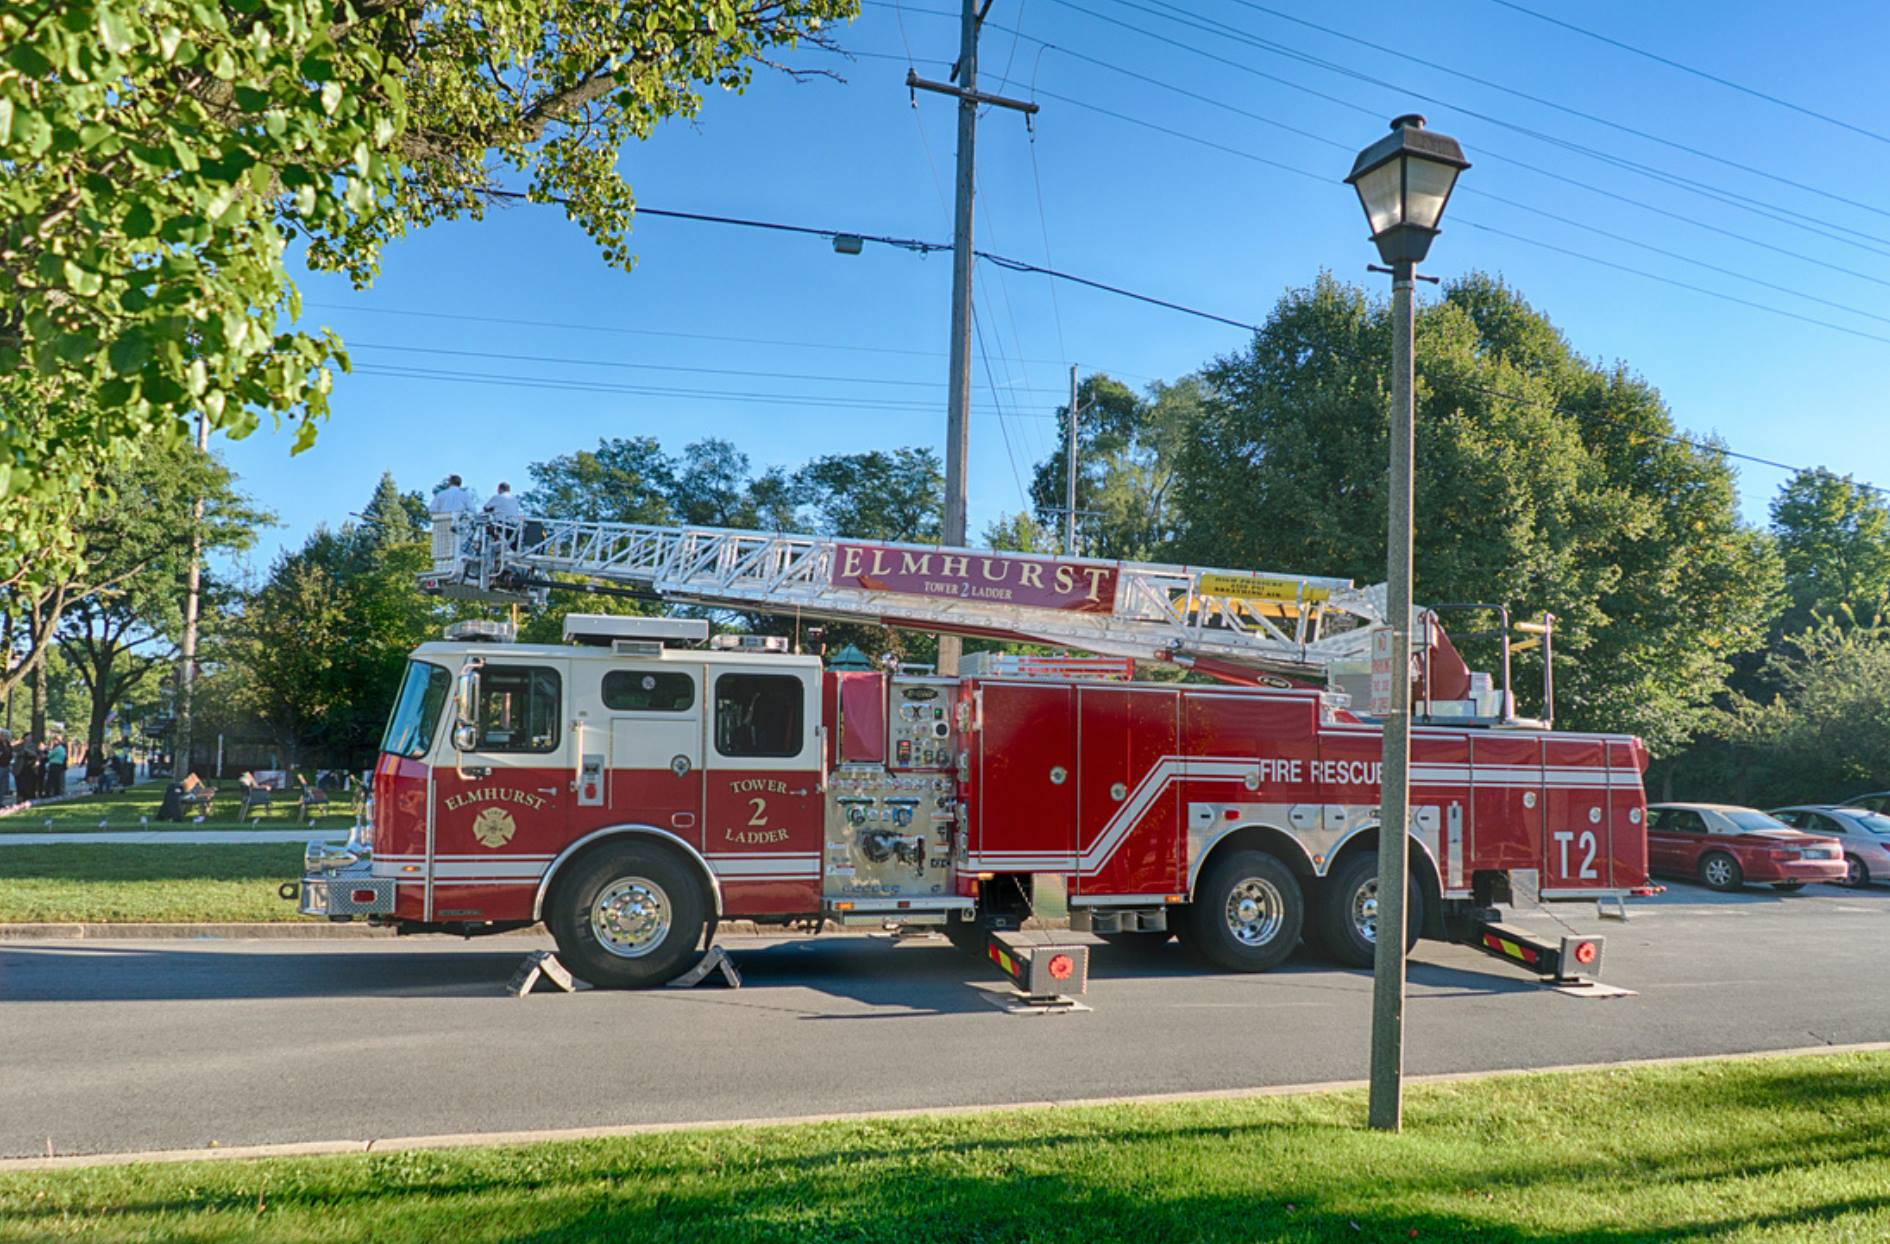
(466, 708)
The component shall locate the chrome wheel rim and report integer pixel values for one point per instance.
(1255, 911)
(630, 917)
(1854, 872)
(1717, 872)
(1365, 910)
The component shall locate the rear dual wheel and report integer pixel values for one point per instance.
(1347, 919)
(1248, 912)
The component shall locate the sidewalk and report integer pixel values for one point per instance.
(176, 837)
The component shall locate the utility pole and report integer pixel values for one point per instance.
(1386, 1110)
(958, 420)
(1069, 476)
(187, 670)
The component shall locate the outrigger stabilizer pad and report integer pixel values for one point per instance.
(543, 965)
(716, 958)
(1048, 978)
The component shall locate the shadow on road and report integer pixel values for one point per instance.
(895, 980)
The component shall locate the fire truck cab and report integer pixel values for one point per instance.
(634, 786)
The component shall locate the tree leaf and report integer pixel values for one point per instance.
(82, 281)
(129, 352)
(112, 31)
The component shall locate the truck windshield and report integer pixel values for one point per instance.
(417, 712)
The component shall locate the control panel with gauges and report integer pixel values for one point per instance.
(921, 731)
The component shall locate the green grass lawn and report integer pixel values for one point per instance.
(1787, 1150)
(122, 810)
(118, 882)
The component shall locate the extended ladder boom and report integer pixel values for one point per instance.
(1294, 624)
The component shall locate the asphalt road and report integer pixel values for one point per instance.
(126, 1046)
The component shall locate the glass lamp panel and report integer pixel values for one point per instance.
(1427, 187)
(1378, 191)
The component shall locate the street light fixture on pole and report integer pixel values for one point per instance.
(1403, 181)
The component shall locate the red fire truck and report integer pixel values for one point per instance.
(639, 783)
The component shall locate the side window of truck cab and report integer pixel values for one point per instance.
(760, 715)
(520, 708)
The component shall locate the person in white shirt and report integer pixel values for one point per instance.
(452, 499)
(504, 504)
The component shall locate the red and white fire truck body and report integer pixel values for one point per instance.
(631, 791)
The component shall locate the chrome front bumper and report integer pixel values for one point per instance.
(338, 883)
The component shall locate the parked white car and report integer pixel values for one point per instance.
(1865, 835)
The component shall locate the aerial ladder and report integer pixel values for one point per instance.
(1238, 626)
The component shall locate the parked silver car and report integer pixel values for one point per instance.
(1865, 835)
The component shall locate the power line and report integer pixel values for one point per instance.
(569, 384)
(571, 326)
(1528, 241)
(1782, 217)
(1828, 230)
(1798, 220)
(1741, 87)
(1217, 102)
(1404, 54)
(1166, 10)
(1199, 313)
(712, 371)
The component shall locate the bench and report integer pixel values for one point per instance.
(312, 797)
(256, 796)
(194, 797)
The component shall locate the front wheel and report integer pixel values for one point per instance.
(629, 916)
(1347, 917)
(1721, 871)
(1247, 913)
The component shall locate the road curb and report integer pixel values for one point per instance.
(398, 1144)
(62, 931)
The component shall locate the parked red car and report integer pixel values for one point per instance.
(1727, 847)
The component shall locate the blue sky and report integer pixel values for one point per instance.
(847, 353)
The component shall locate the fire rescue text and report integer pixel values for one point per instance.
(1330, 772)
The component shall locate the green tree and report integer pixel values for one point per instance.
(323, 641)
(877, 495)
(1127, 448)
(117, 636)
(1544, 482)
(1821, 733)
(162, 155)
(1834, 537)
(623, 480)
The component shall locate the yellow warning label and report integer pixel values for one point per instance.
(1257, 587)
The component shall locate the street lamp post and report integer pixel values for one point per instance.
(1403, 181)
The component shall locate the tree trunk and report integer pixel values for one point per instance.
(103, 692)
(39, 702)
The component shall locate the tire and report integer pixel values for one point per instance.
(1721, 871)
(1247, 913)
(1857, 876)
(1349, 899)
(629, 916)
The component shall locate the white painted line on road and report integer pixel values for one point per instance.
(469, 1139)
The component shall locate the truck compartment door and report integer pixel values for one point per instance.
(1024, 780)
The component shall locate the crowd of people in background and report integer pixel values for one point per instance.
(35, 768)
